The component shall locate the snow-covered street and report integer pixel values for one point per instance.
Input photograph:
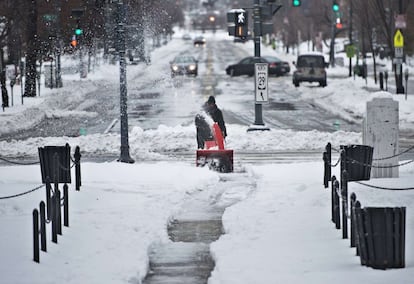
(276, 221)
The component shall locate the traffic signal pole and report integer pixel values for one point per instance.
(256, 29)
(258, 111)
(238, 27)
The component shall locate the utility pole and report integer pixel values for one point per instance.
(350, 35)
(124, 157)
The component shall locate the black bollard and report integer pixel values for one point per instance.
(386, 80)
(381, 80)
(333, 199)
(53, 214)
(48, 198)
(36, 235)
(337, 216)
(353, 200)
(58, 212)
(406, 82)
(65, 205)
(329, 158)
(359, 233)
(325, 169)
(43, 226)
(344, 194)
(327, 165)
(77, 156)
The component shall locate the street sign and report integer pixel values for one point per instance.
(261, 76)
(397, 61)
(399, 52)
(398, 39)
(400, 21)
(350, 50)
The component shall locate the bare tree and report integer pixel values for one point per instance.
(3, 35)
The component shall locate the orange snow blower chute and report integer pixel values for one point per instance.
(214, 155)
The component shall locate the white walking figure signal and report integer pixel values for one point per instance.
(240, 18)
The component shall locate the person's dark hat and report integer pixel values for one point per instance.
(211, 100)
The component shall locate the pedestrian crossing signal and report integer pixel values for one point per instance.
(338, 24)
(241, 31)
(74, 42)
(241, 24)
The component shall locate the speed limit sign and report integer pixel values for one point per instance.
(261, 75)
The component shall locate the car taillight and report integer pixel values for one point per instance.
(273, 64)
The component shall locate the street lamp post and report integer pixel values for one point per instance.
(124, 157)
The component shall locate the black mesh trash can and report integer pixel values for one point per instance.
(380, 235)
(357, 161)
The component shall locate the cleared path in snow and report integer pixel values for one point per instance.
(187, 259)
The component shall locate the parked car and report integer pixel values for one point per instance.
(310, 68)
(246, 66)
(199, 41)
(277, 66)
(186, 37)
(184, 65)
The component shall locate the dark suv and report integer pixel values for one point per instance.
(310, 68)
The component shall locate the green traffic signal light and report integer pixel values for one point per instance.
(296, 3)
(335, 7)
(78, 31)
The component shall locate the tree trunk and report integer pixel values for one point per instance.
(4, 95)
(30, 84)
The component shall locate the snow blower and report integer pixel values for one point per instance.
(214, 155)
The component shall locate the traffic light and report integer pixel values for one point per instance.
(335, 6)
(78, 31)
(73, 42)
(241, 24)
(296, 3)
(338, 24)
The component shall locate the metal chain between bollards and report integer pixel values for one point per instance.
(18, 163)
(376, 166)
(23, 193)
(386, 188)
(384, 158)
